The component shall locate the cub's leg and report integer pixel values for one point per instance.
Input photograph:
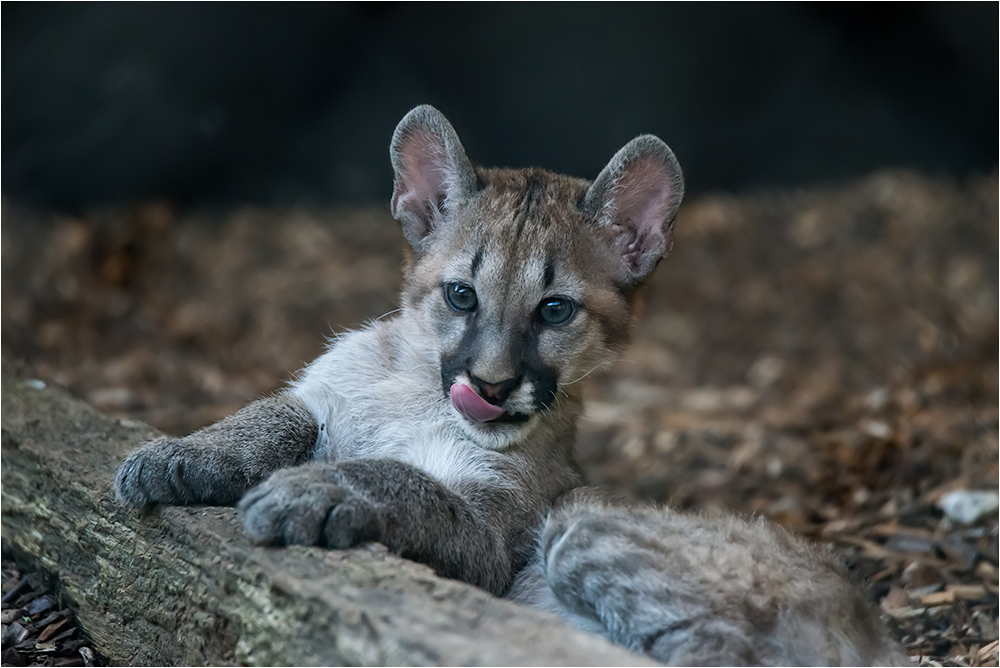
(218, 464)
(340, 504)
(605, 576)
(689, 589)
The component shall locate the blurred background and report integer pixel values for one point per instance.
(277, 103)
(196, 195)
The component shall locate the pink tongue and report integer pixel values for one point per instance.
(471, 405)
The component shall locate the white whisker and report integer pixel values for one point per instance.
(419, 366)
(388, 313)
(590, 372)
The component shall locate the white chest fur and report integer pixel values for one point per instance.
(377, 394)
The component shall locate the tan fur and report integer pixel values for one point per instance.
(520, 219)
(692, 589)
(369, 442)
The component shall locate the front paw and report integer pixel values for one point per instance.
(156, 472)
(302, 506)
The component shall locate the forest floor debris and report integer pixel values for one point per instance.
(38, 628)
(824, 357)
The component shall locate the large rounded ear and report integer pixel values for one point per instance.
(432, 172)
(635, 198)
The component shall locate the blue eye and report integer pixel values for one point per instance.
(460, 297)
(556, 311)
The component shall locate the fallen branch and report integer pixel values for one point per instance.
(184, 586)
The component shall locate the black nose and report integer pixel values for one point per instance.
(495, 393)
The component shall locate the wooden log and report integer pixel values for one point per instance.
(184, 586)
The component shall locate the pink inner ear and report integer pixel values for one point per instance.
(425, 166)
(424, 179)
(638, 207)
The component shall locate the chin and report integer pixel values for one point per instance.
(499, 434)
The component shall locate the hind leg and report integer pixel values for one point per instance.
(608, 569)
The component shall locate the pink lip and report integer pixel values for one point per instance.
(471, 405)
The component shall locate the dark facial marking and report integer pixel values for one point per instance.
(456, 362)
(550, 273)
(534, 190)
(477, 260)
(512, 418)
(527, 361)
(544, 377)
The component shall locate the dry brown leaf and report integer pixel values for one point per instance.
(987, 571)
(938, 598)
(968, 592)
(896, 599)
(51, 630)
(990, 652)
(921, 574)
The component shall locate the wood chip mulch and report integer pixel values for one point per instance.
(38, 628)
(826, 358)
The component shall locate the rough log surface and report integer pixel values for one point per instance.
(184, 586)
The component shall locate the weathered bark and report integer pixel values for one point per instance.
(184, 586)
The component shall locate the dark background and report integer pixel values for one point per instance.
(213, 104)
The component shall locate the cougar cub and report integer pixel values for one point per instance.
(446, 432)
